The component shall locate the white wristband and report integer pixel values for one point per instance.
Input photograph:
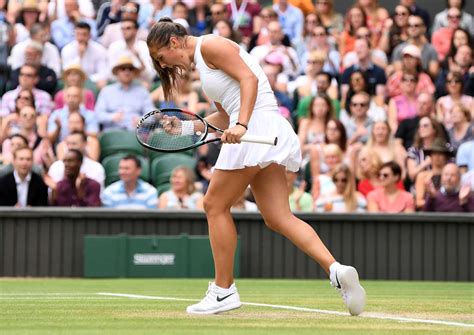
(187, 128)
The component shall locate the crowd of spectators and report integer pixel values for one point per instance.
(381, 100)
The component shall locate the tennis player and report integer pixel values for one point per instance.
(246, 104)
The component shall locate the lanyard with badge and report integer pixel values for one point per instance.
(237, 14)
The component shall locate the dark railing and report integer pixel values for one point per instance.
(48, 242)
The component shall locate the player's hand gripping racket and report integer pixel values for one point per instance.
(174, 129)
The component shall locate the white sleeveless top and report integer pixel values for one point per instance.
(222, 88)
(264, 121)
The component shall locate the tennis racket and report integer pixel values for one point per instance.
(175, 130)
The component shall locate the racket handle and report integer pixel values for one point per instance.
(259, 139)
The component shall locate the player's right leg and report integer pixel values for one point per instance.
(225, 189)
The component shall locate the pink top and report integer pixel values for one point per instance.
(405, 108)
(38, 153)
(424, 85)
(89, 99)
(402, 201)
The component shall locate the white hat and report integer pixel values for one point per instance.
(412, 50)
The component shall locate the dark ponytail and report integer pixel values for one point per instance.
(159, 37)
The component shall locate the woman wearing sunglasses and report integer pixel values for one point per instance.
(389, 198)
(345, 199)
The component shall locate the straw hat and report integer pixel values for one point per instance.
(75, 68)
(30, 5)
(124, 61)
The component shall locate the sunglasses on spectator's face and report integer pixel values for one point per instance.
(453, 81)
(27, 115)
(339, 180)
(126, 68)
(220, 12)
(128, 9)
(401, 13)
(454, 17)
(24, 97)
(359, 104)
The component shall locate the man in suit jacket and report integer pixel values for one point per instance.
(22, 187)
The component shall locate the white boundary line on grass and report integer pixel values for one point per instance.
(304, 309)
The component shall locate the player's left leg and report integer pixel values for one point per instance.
(270, 190)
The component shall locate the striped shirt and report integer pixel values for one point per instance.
(144, 196)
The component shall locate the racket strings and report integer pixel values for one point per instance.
(164, 131)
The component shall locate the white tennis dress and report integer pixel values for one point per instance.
(265, 119)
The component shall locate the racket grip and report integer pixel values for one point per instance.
(259, 139)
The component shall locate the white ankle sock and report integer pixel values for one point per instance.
(333, 266)
(223, 288)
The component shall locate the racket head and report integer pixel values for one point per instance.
(160, 130)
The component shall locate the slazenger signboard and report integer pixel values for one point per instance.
(153, 259)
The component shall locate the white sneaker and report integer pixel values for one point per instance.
(217, 300)
(346, 281)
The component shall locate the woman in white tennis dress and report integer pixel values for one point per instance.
(246, 104)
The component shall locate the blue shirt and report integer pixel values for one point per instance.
(144, 196)
(291, 21)
(62, 31)
(465, 155)
(375, 76)
(91, 124)
(134, 101)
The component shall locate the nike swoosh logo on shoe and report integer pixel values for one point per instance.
(337, 281)
(219, 299)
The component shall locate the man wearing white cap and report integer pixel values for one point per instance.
(120, 105)
(416, 36)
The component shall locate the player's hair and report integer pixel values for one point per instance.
(159, 37)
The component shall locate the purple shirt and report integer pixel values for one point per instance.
(448, 203)
(66, 194)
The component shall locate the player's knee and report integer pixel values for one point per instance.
(273, 224)
(213, 206)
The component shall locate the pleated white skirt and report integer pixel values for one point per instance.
(287, 152)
